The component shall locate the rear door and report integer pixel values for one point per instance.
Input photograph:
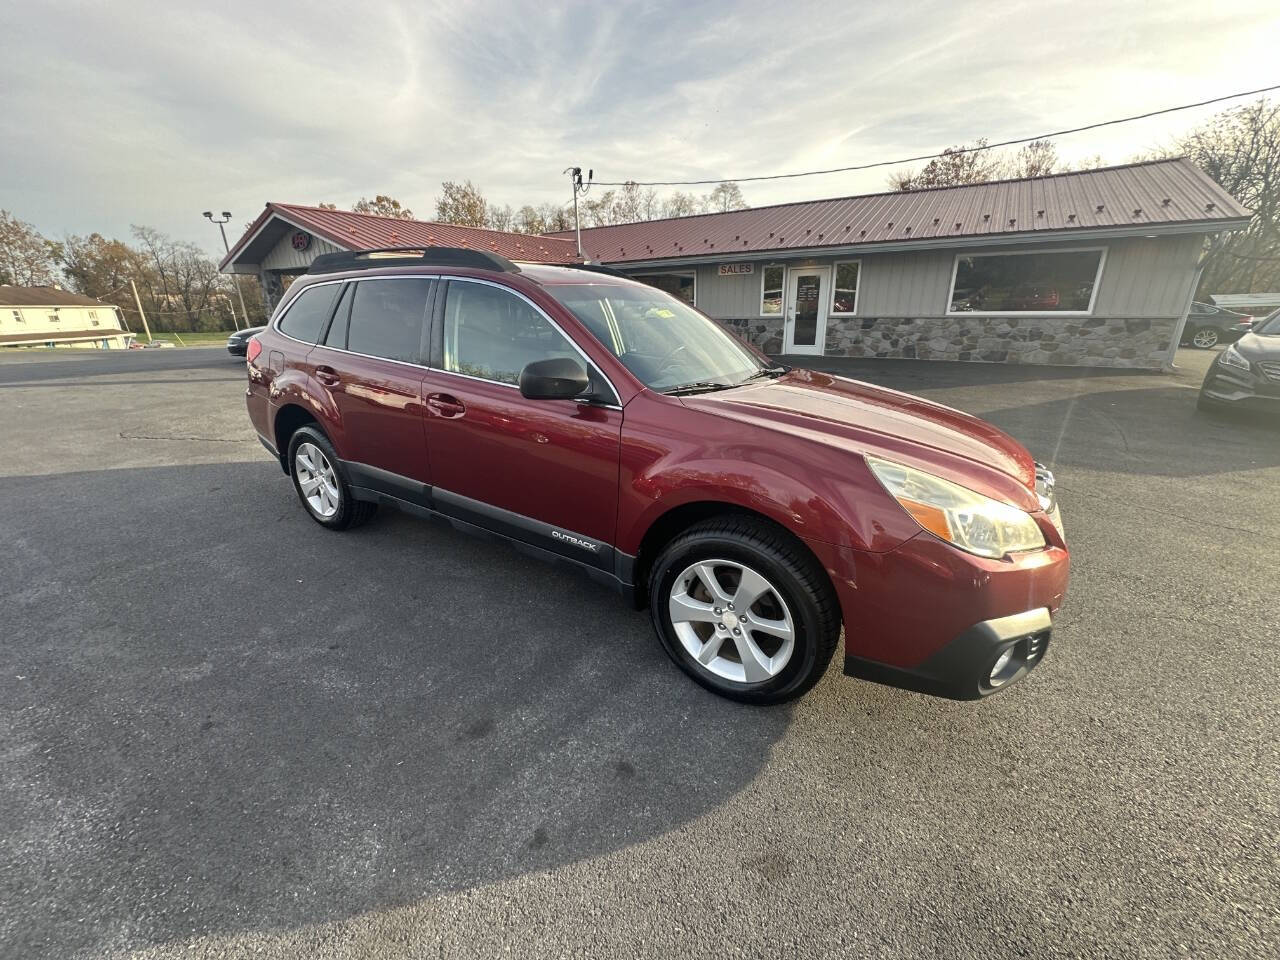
(543, 471)
(371, 364)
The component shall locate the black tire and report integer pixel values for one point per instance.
(1210, 336)
(792, 572)
(350, 511)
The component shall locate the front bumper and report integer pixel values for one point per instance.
(929, 617)
(963, 669)
(1225, 386)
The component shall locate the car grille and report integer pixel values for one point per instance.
(1271, 369)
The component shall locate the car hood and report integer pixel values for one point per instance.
(1257, 347)
(875, 420)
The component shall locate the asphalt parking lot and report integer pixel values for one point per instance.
(228, 732)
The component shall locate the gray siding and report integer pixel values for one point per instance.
(284, 257)
(1142, 278)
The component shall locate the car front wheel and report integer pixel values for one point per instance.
(1205, 338)
(745, 610)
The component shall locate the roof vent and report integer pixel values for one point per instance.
(847, 228)
(1210, 205)
(1137, 211)
(986, 217)
(1039, 213)
(819, 236)
(862, 233)
(1071, 218)
(936, 221)
(890, 226)
(1166, 201)
(807, 231)
(1012, 221)
(1101, 207)
(957, 226)
(906, 229)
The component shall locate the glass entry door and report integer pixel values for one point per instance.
(805, 325)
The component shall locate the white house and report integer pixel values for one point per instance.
(53, 317)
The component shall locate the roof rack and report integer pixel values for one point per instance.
(410, 257)
(597, 268)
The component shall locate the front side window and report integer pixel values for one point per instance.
(663, 341)
(307, 314)
(682, 285)
(771, 282)
(845, 294)
(492, 334)
(1059, 282)
(387, 318)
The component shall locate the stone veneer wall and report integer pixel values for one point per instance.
(1074, 341)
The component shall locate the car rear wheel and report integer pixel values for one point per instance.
(321, 484)
(745, 610)
(1205, 338)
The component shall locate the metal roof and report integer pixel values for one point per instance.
(1155, 196)
(13, 296)
(363, 231)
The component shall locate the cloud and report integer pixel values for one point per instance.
(140, 113)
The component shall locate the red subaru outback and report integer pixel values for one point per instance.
(594, 419)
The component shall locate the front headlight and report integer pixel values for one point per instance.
(957, 514)
(1232, 357)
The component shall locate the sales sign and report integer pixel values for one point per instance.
(733, 269)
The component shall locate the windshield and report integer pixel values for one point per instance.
(664, 342)
(1268, 326)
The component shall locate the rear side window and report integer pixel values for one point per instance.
(491, 334)
(387, 318)
(307, 314)
(337, 335)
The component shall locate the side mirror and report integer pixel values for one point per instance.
(560, 378)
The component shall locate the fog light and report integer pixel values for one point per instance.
(998, 672)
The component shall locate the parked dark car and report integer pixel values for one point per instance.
(597, 420)
(238, 342)
(1246, 375)
(1207, 326)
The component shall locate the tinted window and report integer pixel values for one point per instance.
(492, 334)
(306, 315)
(337, 335)
(387, 317)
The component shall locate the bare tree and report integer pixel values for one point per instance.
(680, 204)
(957, 165)
(725, 197)
(27, 259)
(1038, 158)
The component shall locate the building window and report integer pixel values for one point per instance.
(1064, 281)
(93, 314)
(682, 285)
(53, 318)
(844, 293)
(92, 321)
(772, 278)
(17, 317)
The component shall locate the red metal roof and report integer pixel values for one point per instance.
(1153, 194)
(363, 231)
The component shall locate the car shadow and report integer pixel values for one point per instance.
(221, 717)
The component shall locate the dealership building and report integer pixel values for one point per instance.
(1093, 268)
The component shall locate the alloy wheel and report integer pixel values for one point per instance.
(317, 480)
(1206, 338)
(732, 621)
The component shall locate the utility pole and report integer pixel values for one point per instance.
(208, 214)
(575, 179)
(141, 315)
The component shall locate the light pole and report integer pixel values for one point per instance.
(575, 178)
(226, 216)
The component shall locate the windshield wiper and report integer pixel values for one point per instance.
(769, 372)
(697, 386)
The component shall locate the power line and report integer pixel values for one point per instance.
(933, 156)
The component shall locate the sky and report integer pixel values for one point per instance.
(124, 113)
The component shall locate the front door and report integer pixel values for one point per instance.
(542, 471)
(805, 329)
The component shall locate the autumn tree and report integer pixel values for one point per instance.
(955, 166)
(463, 204)
(680, 204)
(1039, 158)
(382, 206)
(98, 267)
(27, 259)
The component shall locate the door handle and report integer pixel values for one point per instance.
(328, 376)
(445, 405)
